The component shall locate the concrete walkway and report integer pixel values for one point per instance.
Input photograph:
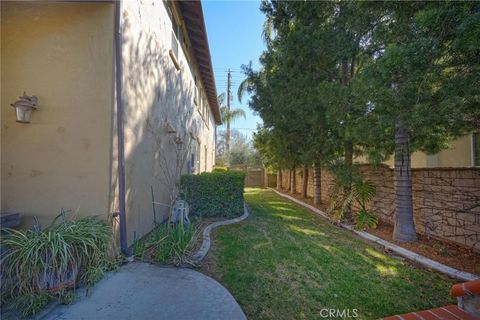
(145, 291)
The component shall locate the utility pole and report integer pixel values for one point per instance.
(229, 97)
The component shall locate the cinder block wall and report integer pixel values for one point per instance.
(446, 201)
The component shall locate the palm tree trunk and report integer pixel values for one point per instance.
(279, 179)
(348, 187)
(317, 184)
(292, 184)
(305, 181)
(404, 229)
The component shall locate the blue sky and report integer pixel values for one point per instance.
(235, 37)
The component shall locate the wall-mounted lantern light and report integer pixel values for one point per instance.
(24, 107)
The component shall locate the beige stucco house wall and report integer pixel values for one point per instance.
(459, 154)
(62, 53)
(157, 94)
(67, 157)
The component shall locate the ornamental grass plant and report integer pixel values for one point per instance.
(40, 265)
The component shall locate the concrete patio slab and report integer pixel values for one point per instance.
(145, 291)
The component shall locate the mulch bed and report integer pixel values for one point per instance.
(445, 252)
(448, 253)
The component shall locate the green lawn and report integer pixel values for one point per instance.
(284, 262)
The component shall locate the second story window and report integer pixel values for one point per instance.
(196, 99)
(207, 117)
(200, 102)
(174, 44)
(175, 36)
(206, 113)
(204, 107)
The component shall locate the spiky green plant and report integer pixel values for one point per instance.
(174, 243)
(66, 251)
(361, 193)
(365, 219)
(168, 243)
(30, 303)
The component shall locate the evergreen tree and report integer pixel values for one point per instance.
(422, 88)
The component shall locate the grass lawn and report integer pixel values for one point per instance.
(285, 262)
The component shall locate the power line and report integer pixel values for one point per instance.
(250, 129)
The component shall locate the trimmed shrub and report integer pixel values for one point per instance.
(219, 169)
(213, 194)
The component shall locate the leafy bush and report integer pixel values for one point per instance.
(220, 169)
(214, 193)
(39, 265)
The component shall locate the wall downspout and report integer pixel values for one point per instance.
(120, 133)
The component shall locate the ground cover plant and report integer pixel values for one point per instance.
(285, 262)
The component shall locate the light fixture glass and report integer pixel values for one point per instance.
(24, 114)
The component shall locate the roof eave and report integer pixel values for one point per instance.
(192, 14)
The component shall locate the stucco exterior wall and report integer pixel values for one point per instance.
(459, 154)
(418, 160)
(156, 94)
(63, 54)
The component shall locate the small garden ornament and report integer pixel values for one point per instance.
(180, 212)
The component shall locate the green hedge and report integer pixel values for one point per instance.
(213, 194)
(219, 169)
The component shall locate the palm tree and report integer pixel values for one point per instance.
(268, 34)
(228, 116)
(243, 88)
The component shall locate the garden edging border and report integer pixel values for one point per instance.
(426, 262)
(206, 243)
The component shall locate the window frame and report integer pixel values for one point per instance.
(176, 33)
(206, 157)
(194, 156)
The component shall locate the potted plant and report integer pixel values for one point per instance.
(39, 262)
